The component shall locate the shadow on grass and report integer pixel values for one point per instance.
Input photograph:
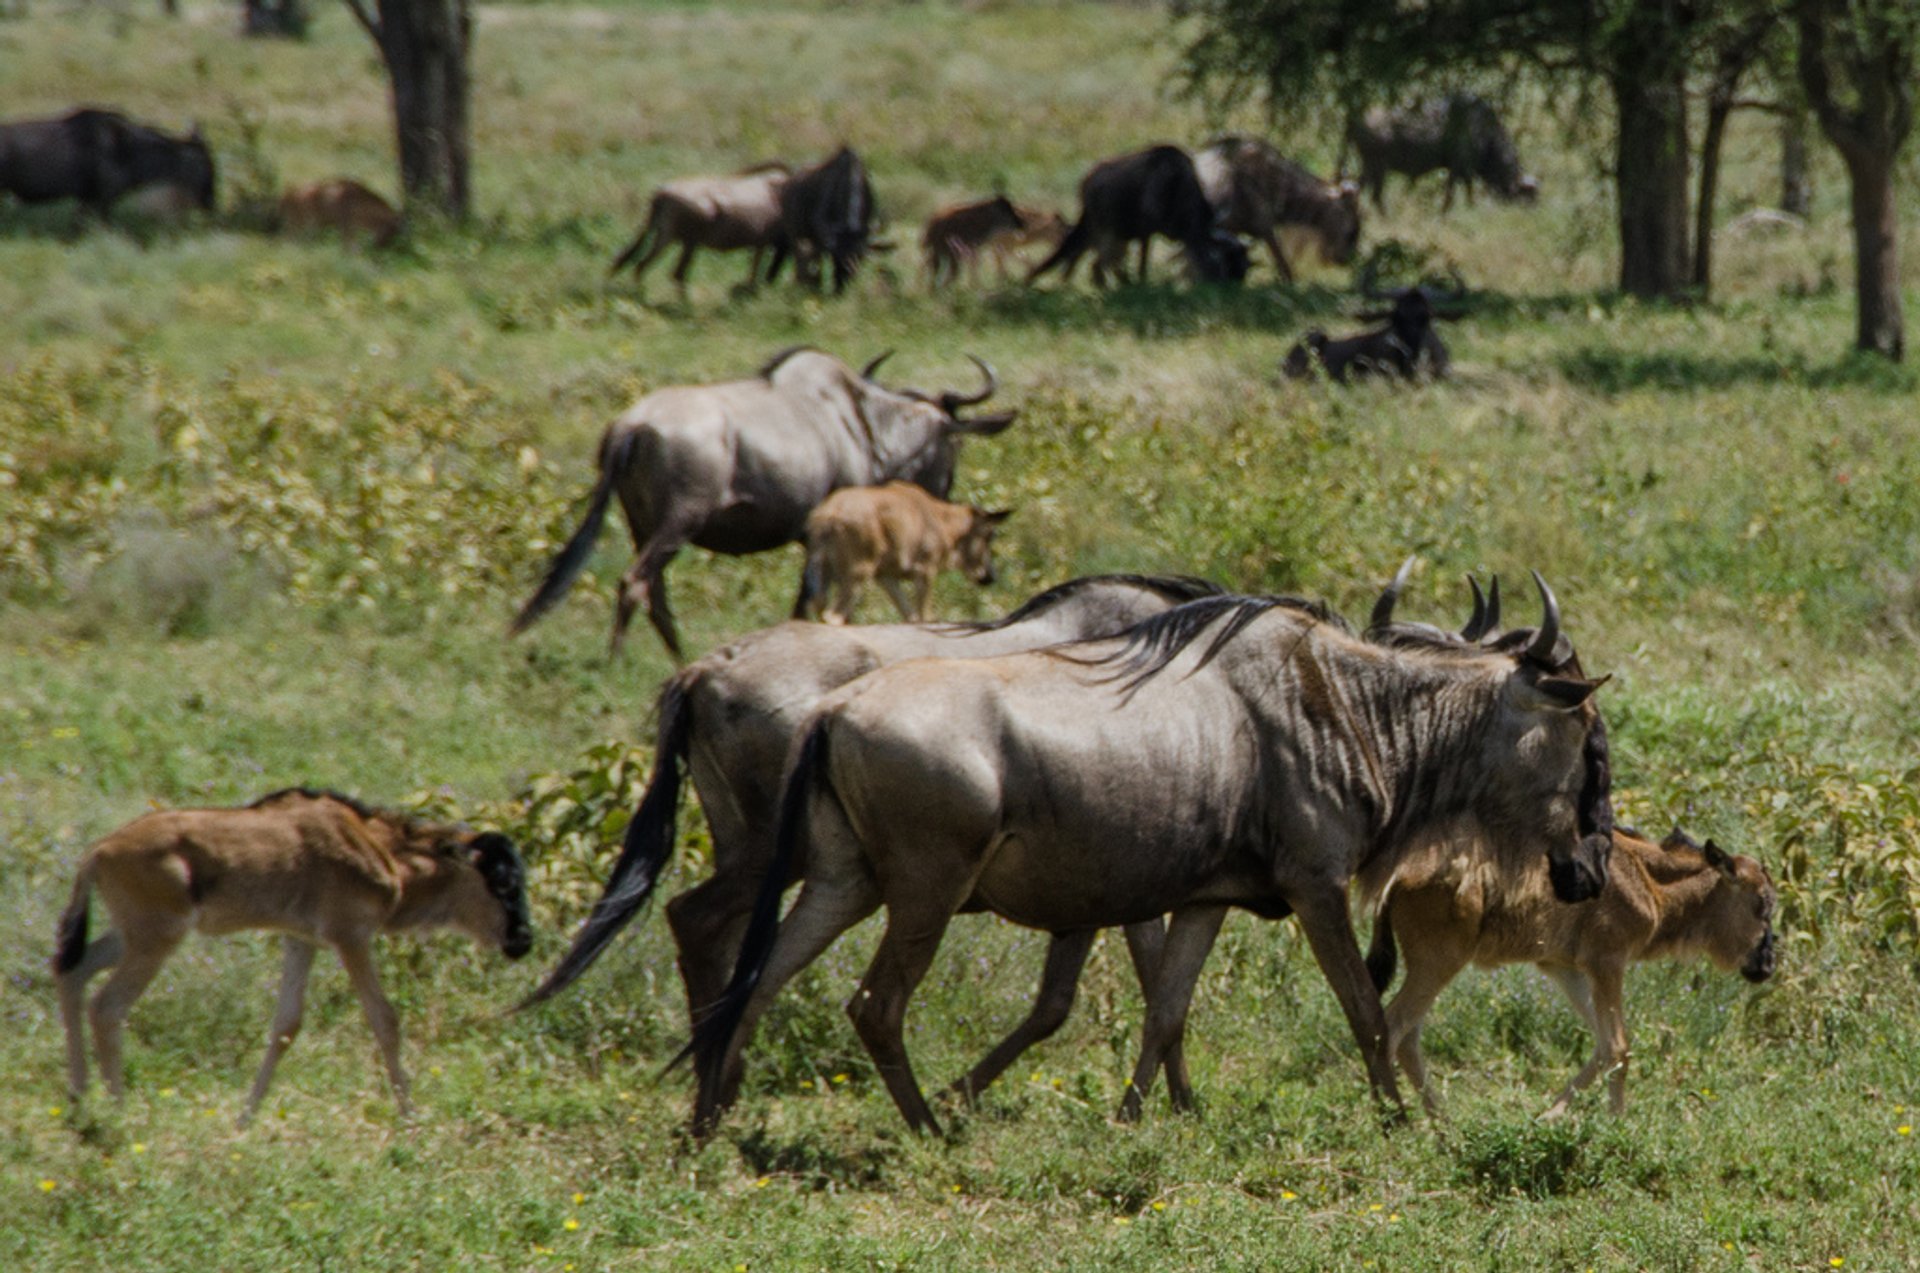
(1613, 370)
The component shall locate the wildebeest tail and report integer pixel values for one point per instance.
(640, 241)
(644, 852)
(572, 559)
(714, 1031)
(1068, 252)
(813, 582)
(70, 939)
(1383, 956)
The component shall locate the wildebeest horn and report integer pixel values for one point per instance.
(951, 401)
(1383, 608)
(866, 372)
(1477, 625)
(1544, 641)
(1493, 605)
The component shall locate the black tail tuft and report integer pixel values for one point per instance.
(572, 559)
(1068, 252)
(639, 244)
(70, 939)
(813, 582)
(1383, 956)
(644, 854)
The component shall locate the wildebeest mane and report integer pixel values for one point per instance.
(409, 825)
(1177, 588)
(1150, 645)
(772, 364)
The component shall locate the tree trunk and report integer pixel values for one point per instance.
(1796, 186)
(1719, 106)
(274, 18)
(1876, 253)
(425, 45)
(1650, 172)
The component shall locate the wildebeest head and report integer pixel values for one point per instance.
(974, 552)
(154, 158)
(496, 861)
(1219, 258)
(931, 422)
(1736, 922)
(1340, 230)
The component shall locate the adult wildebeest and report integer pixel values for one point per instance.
(1235, 751)
(1458, 903)
(892, 533)
(1134, 197)
(724, 214)
(96, 156)
(1405, 346)
(727, 721)
(827, 210)
(344, 207)
(315, 866)
(1459, 132)
(736, 467)
(1255, 190)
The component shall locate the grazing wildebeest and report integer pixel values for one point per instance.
(1405, 346)
(96, 156)
(826, 210)
(955, 236)
(1459, 132)
(892, 533)
(1080, 788)
(1457, 903)
(1134, 197)
(727, 722)
(736, 467)
(315, 866)
(724, 214)
(342, 206)
(1255, 190)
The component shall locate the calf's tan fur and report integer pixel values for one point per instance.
(894, 533)
(342, 205)
(316, 867)
(1453, 905)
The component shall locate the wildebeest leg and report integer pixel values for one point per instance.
(684, 264)
(296, 961)
(909, 611)
(645, 583)
(141, 958)
(1272, 241)
(1329, 928)
(1145, 941)
(1431, 966)
(915, 926)
(102, 953)
(357, 958)
(708, 922)
(1600, 989)
(1189, 939)
(1059, 979)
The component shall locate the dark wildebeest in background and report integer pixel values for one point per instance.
(725, 214)
(1131, 199)
(1455, 904)
(736, 467)
(896, 534)
(342, 206)
(827, 211)
(1405, 346)
(726, 723)
(315, 866)
(955, 236)
(1459, 132)
(97, 156)
(1255, 190)
(1235, 751)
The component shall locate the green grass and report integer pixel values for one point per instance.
(265, 508)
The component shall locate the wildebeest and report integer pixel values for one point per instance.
(1235, 751)
(1134, 197)
(893, 533)
(727, 721)
(315, 866)
(344, 207)
(956, 236)
(1458, 132)
(1405, 346)
(736, 467)
(827, 211)
(96, 156)
(724, 214)
(1457, 903)
(1255, 190)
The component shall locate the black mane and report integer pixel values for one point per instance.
(1150, 645)
(772, 364)
(407, 822)
(1177, 588)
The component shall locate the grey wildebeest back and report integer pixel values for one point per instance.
(1134, 197)
(727, 722)
(97, 156)
(1235, 751)
(1456, 902)
(827, 211)
(736, 467)
(315, 866)
(897, 534)
(1255, 190)
(1459, 132)
(724, 214)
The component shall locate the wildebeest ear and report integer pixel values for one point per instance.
(1678, 839)
(995, 516)
(1569, 691)
(984, 425)
(1719, 859)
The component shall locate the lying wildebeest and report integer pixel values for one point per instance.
(826, 211)
(1459, 132)
(1456, 904)
(728, 720)
(1255, 190)
(1079, 788)
(315, 866)
(342, 206)
(1405, 346)
(1134, 197)
(724, 214)
(736, 467)
(892, 533)
(96, 156)
(956, 236)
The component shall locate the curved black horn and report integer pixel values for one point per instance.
(1544, 641)
(951, 401)
(866, 372)
(1477, 625)
(1493, 606)
(1383, 608)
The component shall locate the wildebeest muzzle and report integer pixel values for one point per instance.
(1761, 959)
(1580, 873)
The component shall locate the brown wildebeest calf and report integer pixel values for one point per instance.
(342, 205)
(315, 866)
(1451, 907)
(890, 533)
(957, 236)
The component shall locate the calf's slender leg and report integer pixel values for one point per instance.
(101, 953)
(1430, 969)
(1190, 938)
(145, 950)
(1598, 990)
(356, 956)
(1059, 979)
(908, 610)
(296, 961)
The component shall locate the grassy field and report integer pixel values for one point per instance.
(266, 506)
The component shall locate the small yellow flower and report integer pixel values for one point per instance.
(579, 1198)
(955, 1188)
(763, 1182)
(1905, 1129)
(139, 1147)
(1288, 1195)
(1374, 1206)
(840, 1078)
(570, 1224)
(1726, 1246)
(739, 1268)
(1122, 1221)
(1393, 1217)
(1159, 1206)
(1836, 1261)
(435, 1070)
(47, 1186)
(55, 1112)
